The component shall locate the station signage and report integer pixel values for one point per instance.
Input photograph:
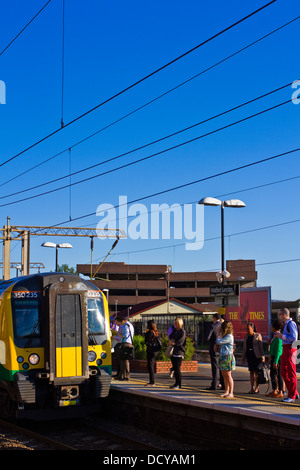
(226, 289)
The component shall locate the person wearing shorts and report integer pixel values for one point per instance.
(225, 343)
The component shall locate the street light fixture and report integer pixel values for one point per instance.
(56, 246)
(211, 201)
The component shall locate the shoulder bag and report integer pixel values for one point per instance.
(126, 351)
(169, 351)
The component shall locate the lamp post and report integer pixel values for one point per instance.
(56, 246)
(211, 201)
(167, 272)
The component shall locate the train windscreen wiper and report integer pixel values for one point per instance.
(32, 334)
(92, 337)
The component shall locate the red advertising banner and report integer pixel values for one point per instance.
(255, 307)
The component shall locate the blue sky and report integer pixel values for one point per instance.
(109, 46)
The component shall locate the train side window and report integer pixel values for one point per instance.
(26, 322)
(96, 319)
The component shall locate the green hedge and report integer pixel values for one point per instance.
(141, 349)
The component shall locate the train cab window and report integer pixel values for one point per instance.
(96, 320)
(26, 321)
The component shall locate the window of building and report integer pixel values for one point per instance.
(152, 292)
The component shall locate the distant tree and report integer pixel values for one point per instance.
(65, 268)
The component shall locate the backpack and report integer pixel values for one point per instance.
(155, 345)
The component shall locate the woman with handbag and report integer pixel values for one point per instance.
(177, 339)
(153, 344)
(254, 353)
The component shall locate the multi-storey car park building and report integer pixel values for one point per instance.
(127, 285)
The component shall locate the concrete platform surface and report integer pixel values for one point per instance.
(194, 393)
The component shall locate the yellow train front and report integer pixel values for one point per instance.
(55, 346)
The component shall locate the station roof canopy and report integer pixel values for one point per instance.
(163, 307)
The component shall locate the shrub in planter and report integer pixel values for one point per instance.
(141, 349)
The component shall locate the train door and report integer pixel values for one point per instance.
(66, 353)
(68, 340)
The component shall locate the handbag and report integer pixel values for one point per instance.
(262, 374)
(126, 351)
(155, 345)
(169, 351)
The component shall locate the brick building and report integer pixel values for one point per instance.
(130, 284)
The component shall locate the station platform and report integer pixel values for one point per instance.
(246, 421)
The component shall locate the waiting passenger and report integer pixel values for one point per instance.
(275, 362)
(126, 347)
(116, 338)
(178, 339)
(225, 343)
(170, 331)
(212, 336)
(289, 353)
(254, 353)
(153, 344)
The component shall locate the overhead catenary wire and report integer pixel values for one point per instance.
(260, 264)
(149, 102)
(149, 143)
(217, 196)
(145, 158)
(266, 263)
(206, 178)
(218, 237)
(70, 173)
(271, 183)
(141, 80)
(23, 29)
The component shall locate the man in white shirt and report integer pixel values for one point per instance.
(126, 345)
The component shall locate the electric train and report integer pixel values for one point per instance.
(55, 345)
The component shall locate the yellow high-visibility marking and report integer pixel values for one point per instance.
(68, 362)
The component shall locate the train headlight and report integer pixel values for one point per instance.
(34, 359)
(92, 356)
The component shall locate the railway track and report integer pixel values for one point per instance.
(92, 433)
(15, 437)
(66, 435)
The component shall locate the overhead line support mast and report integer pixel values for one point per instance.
(24, 233)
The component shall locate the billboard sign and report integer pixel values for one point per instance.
(255, 307)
